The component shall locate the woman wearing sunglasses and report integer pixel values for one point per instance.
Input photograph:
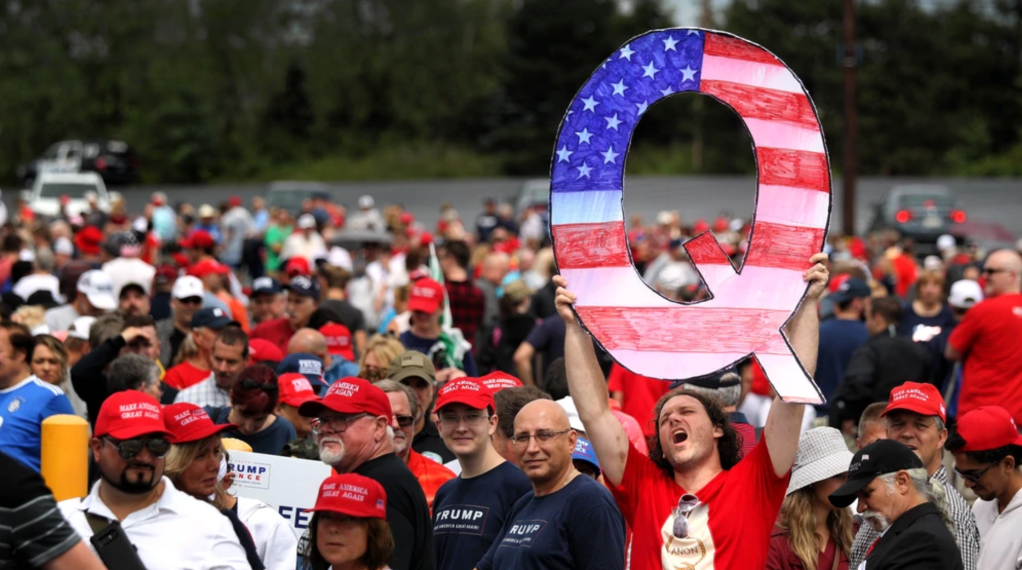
(813, 534)
(252, 411)
(193, 464)
(349, 525)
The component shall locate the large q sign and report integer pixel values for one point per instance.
(643, 331)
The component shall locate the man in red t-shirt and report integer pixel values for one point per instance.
(988, 340)
(302, 300)
(691, 503)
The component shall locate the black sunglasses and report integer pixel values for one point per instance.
(129, 449)
(191, 301)
(404, 421)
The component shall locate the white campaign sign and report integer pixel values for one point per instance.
(287, 484)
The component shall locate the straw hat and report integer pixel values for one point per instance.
(822, 454)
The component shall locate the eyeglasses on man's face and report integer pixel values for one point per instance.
(338, 424)
(471, 420)
(542, 437)
(129, 449)
(974, 476)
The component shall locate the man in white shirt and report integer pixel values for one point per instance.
(95, 297)
(126, 268)
(169, 529)
(988, 454)
(305, 242)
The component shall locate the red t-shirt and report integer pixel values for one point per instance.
(431, 475)
(277, 331)
(184, 375)
(641, 395)
(989, 337)
(730, 528)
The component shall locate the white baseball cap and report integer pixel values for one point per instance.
(98, 287)
(965, 294)
(366, 202)
(63, 246)
(933, 263)
(306, 221)
(574, 420)
(207, 211)
(945, 242)
(187, 286)
(339, 257)
(80, 327)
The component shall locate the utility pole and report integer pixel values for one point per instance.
(850, 163)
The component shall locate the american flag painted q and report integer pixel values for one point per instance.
(643, 331)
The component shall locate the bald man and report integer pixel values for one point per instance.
(311, 341)
(567, 521)
(987, 340)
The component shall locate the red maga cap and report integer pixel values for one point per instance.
(338, 340)
(469, 391)
(261, 349)
(295, 389)
(427, 296)
(188, 422)
(129, 414)
(923, 399)
(208, 267)
(986, 428)
(199, 239)
(353, 495)
(497, 381)
(350, 396)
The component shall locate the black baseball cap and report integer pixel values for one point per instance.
(214, 318)
(852, 288)
(266, 286)
(878, 458)
(304, 286)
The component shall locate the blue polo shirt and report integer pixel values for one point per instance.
(23, 407)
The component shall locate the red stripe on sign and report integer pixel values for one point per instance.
(705, 250)
(794, 168)
(582, 246)
(783, 247)
(735, 48)
(687, 329)
(767, 104)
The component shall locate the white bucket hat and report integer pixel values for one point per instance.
(822, 454)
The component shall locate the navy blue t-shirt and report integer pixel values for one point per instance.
(838, 340)
(577, 527)
(548, 338)
(431, 347)
(270, 441)
(469, 513)
(924, 329)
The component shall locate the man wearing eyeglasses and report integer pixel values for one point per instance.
(470, 510)
(431, 475)
(692, 503)
(352, 426)
(168, 528)
(916, 416)
(567, 520)
(988, 455)
(987, 340)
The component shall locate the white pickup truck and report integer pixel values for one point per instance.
(45, 196)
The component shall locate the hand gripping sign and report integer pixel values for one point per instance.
(643, 331)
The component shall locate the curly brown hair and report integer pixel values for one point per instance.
(729, 446)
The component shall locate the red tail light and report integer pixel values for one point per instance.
(101, 163)
(903, 216)
(958, 216)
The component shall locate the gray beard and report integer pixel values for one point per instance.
(876, 520)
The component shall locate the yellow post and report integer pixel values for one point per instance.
(65, 456)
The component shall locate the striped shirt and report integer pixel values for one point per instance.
(966, 532)
(32, 531)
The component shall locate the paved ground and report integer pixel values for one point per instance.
(985, 200)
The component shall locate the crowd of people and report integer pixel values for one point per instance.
(469, 421)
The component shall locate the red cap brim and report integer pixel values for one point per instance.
(133, 431)
(424, 305)
(473, 400)
(914, 406)
(202, 433)
(296, 400)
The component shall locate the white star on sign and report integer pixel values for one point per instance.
(583, 135)
(626, 53)
(612, 122)
(583, 171)
(590, 104)
(642, 107)
(688, 74)
(669, 44)
(610, 155)
(667, 91)
(650, 71)
(619, 88)
(693, 33)
(564, 154)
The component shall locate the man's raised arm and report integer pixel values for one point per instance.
(589, 391)
(784, 423)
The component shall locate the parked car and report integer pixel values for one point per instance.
(922, 212)
(113, 160)
(290, 195)
(50, 189)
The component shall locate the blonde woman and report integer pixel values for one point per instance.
(811, 533)
(48, 361)
(380, 350)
